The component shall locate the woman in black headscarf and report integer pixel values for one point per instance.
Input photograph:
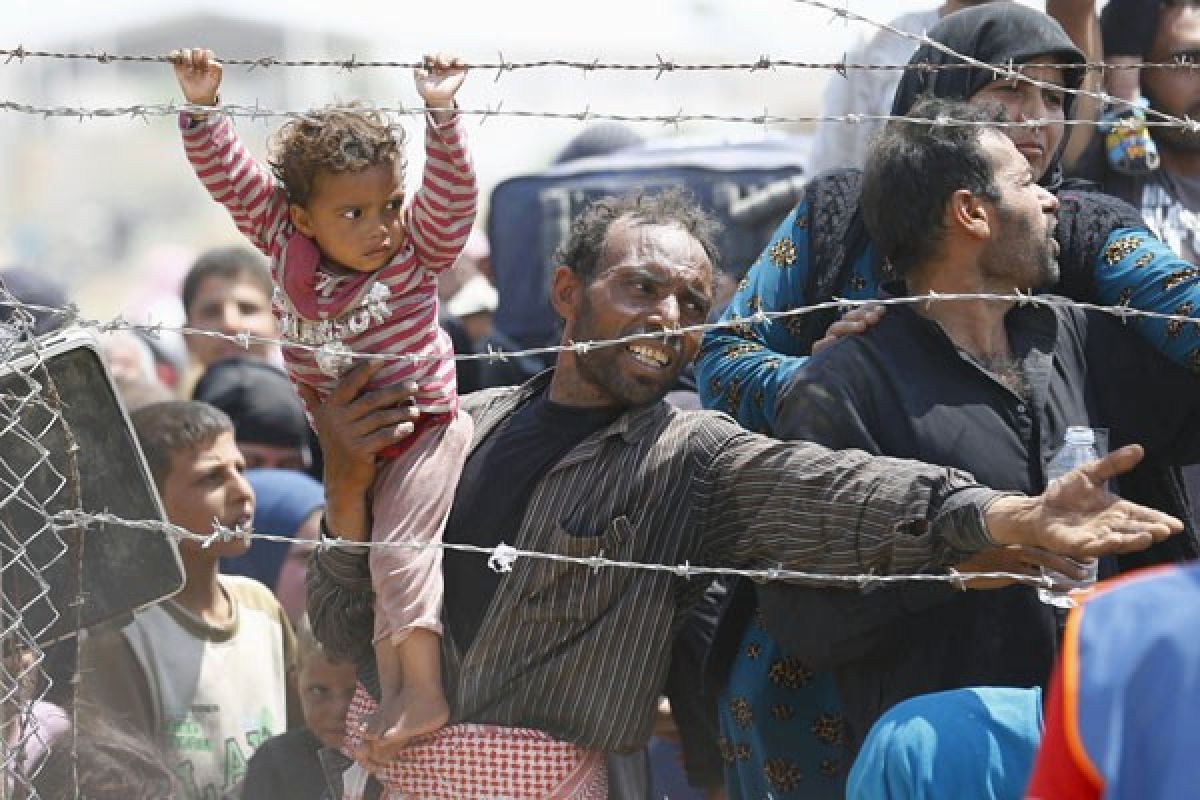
(822, 250)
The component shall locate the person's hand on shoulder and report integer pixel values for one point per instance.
(852, 323)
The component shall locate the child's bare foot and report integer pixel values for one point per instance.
(402, 715)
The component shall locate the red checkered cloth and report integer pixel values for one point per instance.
(485, 762)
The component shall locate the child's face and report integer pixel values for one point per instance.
(355, 217)
(326, 689)
(229, 306)
(206, 483)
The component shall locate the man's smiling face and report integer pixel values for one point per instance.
(651, 278)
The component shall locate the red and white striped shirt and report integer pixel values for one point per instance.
(393, 310)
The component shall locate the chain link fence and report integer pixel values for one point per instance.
(38, 479)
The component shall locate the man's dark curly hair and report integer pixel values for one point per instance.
(912, 170)
(584, 248)
(332, 140)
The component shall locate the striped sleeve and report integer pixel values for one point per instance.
(443, 210)
(801, 506)
(249, 192)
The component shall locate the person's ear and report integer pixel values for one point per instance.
(969, 213)
(566, 294)
(301, 219)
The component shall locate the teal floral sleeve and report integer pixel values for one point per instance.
(742, 368)
(1137, 270)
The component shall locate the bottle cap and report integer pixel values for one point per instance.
(1078, 434)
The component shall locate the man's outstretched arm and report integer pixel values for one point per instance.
(799, 504)
(803, 507)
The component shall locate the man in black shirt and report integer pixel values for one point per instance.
(981, 385)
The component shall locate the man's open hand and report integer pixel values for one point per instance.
(1077, 517)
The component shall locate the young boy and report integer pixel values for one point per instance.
(287, 765)
(205, 673)
(356, 271)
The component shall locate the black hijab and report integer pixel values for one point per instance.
(995, 33)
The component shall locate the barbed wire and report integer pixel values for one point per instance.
(502, 557)
(1011, 70)
(660, 66)
(145, 111)
(70, 315)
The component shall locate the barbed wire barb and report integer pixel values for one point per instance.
(663, 66)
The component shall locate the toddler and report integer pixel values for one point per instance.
(355, 269)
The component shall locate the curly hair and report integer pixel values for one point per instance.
(332, 139)
(913, 169)
(584, 248)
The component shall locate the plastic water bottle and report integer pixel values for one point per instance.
(1079, 448)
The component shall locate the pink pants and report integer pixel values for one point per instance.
(410, 502)
(484, 762)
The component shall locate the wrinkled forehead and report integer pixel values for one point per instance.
(666, 249)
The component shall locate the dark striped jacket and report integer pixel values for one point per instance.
(582, 653)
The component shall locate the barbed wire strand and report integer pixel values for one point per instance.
(502, 557)
(1009, 71)
(70, 315)
(145, 111)
(660, 66)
